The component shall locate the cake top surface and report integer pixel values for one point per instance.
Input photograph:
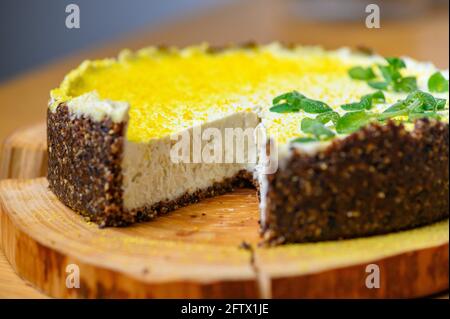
(165, 91)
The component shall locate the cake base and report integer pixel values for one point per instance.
(209, 249)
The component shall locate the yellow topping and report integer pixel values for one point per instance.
(169, 90)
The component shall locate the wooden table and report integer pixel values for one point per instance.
(23, 99)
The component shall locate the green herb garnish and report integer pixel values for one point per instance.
(392, 77)
(366, 102)
(390, 73)
(314, 107)
(290, 97)
(316, 128)
(396, 63)
(285, 108)
(407, 84)
(378, 85)
(441, 103)
(361, 73)
(352, 121)
(396, 107)
(438, 83)
(294, 102)
(326, 117)
(305, 140)
(417, 104)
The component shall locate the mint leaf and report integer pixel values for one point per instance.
(378, 85)
(438, 83)
(441, 103)
(399, 106)
(406, 84)
(366, 102)
(396, 63)
(316, 128)
(285, 108)
(417, 104)
(326, 117)
(294, 102)
(287, 103)
(392, 77)
(361, 73)
(424, 101)
(351, 122)
(313, 106)
(305, 140)
(289, 97)
(378, 97)
(389, 73)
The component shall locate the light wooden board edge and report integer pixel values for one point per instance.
(102, 283)
(418, 272)
(38, 261)
(411, 263)
(24, 153)
(413, 274)
(12, 286)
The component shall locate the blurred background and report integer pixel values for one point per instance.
(34, 32)
(37, 48)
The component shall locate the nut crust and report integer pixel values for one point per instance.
(380, 179)
(84, 172)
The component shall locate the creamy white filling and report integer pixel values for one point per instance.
(150, 174)
(90, 104)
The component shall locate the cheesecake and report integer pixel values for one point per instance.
(339, 144)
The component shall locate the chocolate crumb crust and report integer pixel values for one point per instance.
(84, 171)
(84, 165)
(380, 179)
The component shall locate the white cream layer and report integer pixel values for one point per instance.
(150, 175)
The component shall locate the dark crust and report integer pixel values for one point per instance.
(378, 180)
(84, 165)
(84, 171)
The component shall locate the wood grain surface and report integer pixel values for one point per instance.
(193, 252)
(199, 251)
(24, 97)
(12, 286)
(24, 153)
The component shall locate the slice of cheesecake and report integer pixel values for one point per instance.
(116, 128)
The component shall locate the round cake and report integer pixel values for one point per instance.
(339, 144)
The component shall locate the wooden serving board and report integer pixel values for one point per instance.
(208, 249)
(196, 252)
(24, 153)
